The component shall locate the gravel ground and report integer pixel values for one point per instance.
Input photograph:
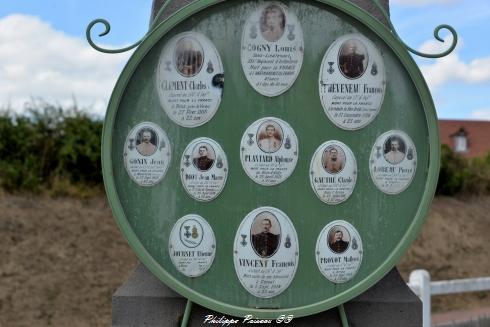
(61, 259)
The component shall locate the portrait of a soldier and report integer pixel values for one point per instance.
(203, 162)
(146, 146)
(337, 243)
(333, 161)
(394, 150)
(272, 23)
(189, 57)
(265, 243)
(352, 59)
(271, 141)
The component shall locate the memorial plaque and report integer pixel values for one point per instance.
(190, 79)
(333, 172)
(339, 251)
(270, 154)
(266, 252)
(272, 48)
(192, 245)
(203, 169)
(147, 154)
(352, 81)
(393, 162)
(269, 151)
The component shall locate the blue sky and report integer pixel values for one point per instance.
(46, 39)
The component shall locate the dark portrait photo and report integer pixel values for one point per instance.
(188, 56)
(353, 58)
(265, 234)
(146, 141)
(269, 136)
(272, 23)
(394, 149)
(338, 239)
(333, 159)
(203, 156)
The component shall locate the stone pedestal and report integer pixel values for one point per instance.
(144, 301)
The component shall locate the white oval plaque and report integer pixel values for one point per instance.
(203, 169)
(352, 82)
(190, 79)
(333, 172)
(339, 251)
(272, 48)
(147, 154)
(393, 162)
(192, 245)
(266, 252)
(269, 151)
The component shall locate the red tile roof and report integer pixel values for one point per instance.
(477, 134)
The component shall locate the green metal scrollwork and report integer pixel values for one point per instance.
(436, 35)
(88, 33)
(107, 30)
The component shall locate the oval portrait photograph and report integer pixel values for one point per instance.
(146, 141)
(394, 149)
(272, 22)
(353, 58)
(269, 136)
(338, 239)
(189, 56)
(265, 234)
(203, 156)
(333, 159)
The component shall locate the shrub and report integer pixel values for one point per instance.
(478, 179)
(454, 170)
(49, 144)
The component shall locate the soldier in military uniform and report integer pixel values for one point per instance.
(203, 162)
(146, 148)
(188, 57)
(338, 245)
(394, 155)
(272, 23)
(270, 143)
(332, 163)
(265, 243)
(351, 63)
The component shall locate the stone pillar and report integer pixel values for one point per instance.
(367, 5)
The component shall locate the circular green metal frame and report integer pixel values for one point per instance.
(434, 147)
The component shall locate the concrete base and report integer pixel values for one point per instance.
(145, 301)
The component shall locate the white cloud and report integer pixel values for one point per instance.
(452, 67)
(413, 3)
(39, 61)
(481, 114)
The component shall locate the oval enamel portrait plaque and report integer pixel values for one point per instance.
(339, 251)
(147, 154)
(269, 151)
(333, 172)
(190, 79)
(352, 82)
(393, 162)
(192, 245)
(203, 169)
(266, 252)
(272, 48)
